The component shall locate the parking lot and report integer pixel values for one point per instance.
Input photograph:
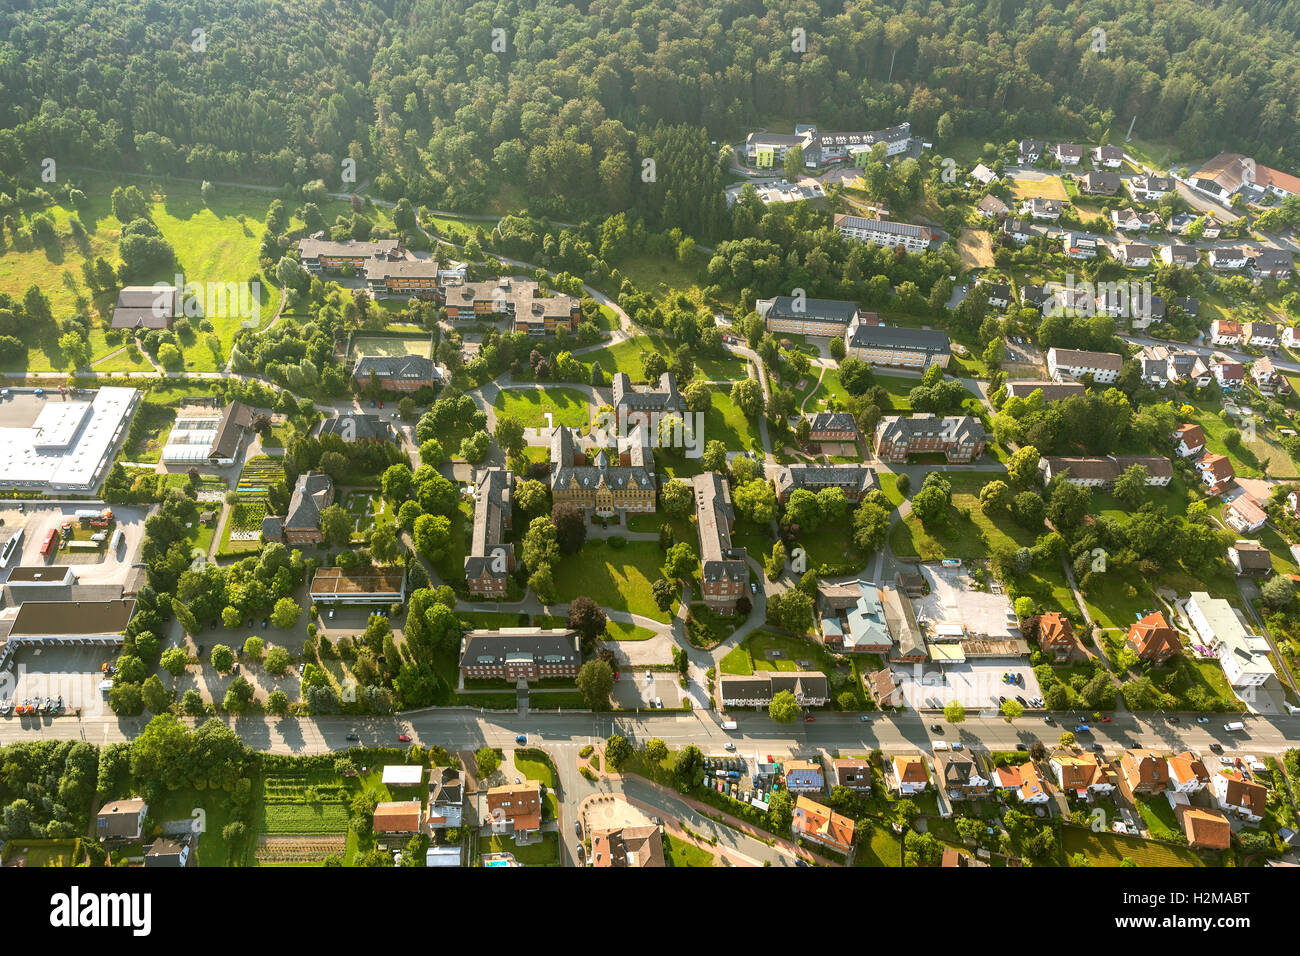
(976, 684)
(96, 568)
(73, 673)
(633, 690)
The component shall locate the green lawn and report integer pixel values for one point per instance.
(956, 536)
(619, 631)
(1109, 849)
(726, 423)
(617, 578)
(682, 853)
(877, 845)
(567, 406)
(544, 853)
(626, 357)
(1250, 459)
(752, 655)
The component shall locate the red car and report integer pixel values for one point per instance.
(809, 719)
(404, 738)
(615, 677)
(1105, 720)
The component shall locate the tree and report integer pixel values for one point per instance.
(570, 527)
(277, 660)
(474, 448)
(397, 482)
(954, 712)
(994, 496)
(930, 504)
(1278, 591)
(1067, 504)
(664, 593)
(407, 514)
(541, 544)
(1132, 484)
(432, 536)
(780, 810)
(253, 647)
(617, 750)
(222, 658)
(680, 562)
(432, 453)
(157, 698)
(870, 526)
(1011, 709)
(509, 434)
(285, 613)
(486, 761)
(586, 617)
(277, 703)
(747, 395)
(1022, 466)
(715, 456)
(1066, 739)
(336, 525)
(756, 501)
(688, 767)
(531, 496)
(783, 707)
(239, 694)
(174, 661)
(596, 681)
(676, 498)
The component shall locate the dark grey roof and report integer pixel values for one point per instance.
(314, 247)
(1270, 259)
(600, 464)
(492, 504)
(235, 420)
(554, 646)
(930, 341)
(664, 398)
(782, 306)
(833, 421)
(145, 307)
(272, 528)
(956, 428)
(714, 515)
(859, 479)
(394, 366)
(357, 427)
(310, 497)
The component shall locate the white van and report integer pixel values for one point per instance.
(941, 745)
(728, 725)
(117, 539)
(1234, 725)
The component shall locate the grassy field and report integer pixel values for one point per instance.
(956, 536)
(619, 631)
(1251, 458)
(567, 406)
(544, 853)
(726, 423)
(678, 852)
(389, 345)
(1049, 187)
(626, 357)
(878, 846)
(617, 578)
(1110, 849)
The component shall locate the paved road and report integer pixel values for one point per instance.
(464, 728)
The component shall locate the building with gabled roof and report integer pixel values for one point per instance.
(1246, 798)
(491, 557)
(398, 818)
(855, 480)
(895, 346)
(961, 775)
(1205, 829)
(1144, 771)
(910, 774)
(1152, 639)
(520, 654)
(147, 307)
(627, 846)
(1216, 471)
(1189, 440)
(515, 808)
(724, 569)
(1083, 774)
(1187, 773)
(821, 825)
(395, 373)
(606, 480)
(313, 492)
(960, 438)
(810, 688)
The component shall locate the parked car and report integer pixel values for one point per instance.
(958, 745)
(809, 718)
(1021, 747)
(659, 703)
(577, 828)
(521, 739)
(728, 746)
(1217, 748)
(404, 738)
(1202, 720)
(864, 718)
(353, 737)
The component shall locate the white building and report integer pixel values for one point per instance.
(70, 443)
(1104, 367)
(881, 233)
(1243, 655)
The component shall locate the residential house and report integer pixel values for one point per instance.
(991, 207)
(1237, 794)
(312, 494)
(1150, 188)
(1190, 368)
(960, 438)
(885, 690)
(1144, 771)
(1068, 154)
(1078, 246)
(1230, 173)
(520, 301)
(852, 773)
(1018, 231)
(121, 820)
(821, 825)
(910, 774)
(1031, 150)
(446, 798)
(1225, 332)
(1132, 220)
(1230, 375)
(1273, 264)
(955, 859)
(1179, 222)
(803, 316)
(395, 373)
(1152, 639)
(1244, 656)
(1104, 367)
(1024, 780)
(1000, 295)
(516, 654)
(983, 175)
(1250, 559)
(810, 688)
(1187, 773)
(1260, 334)
(805, 776)
(1228, 258)
(961, 775)
(515, 808)
(895, 346)
(882, 232)
(724, 571)
(1216, 472)
(356, 427)
(491, 557)
(1189, 440)
(1035, 296)
(1056, 637)
(1051, 391)
(1177, 254)
(1290, 336)
(398, 818)
(1112, 157)
(1245, 514)
(1083, 774)
(1043, 209)
(1135, 255)
(608, 481)
(168, 854)
(628, 846)
(1099, 184)
(1205, 829)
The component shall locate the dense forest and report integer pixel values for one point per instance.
(459, 103)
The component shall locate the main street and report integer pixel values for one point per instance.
(469, 729)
